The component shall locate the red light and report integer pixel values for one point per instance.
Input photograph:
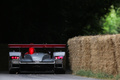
(59, 57)
(14, 57)
(17, 57)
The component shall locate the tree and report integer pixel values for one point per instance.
(83, 16)
(118, 19)
(111, 22)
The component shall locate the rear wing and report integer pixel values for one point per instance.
(37, 45)
(50, 46)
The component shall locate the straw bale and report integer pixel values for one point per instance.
(74, 50)
(104, 60)
(99, 53)
(85, 60)
(117, 53)
(95, 56)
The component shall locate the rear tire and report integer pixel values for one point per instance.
(12, 72)
(59, 71)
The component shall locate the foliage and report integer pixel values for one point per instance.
(89, 73)
(118, 19)
(111, 22)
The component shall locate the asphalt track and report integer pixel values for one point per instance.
(6, 76)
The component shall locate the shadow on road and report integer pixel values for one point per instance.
(4, 72)
(7, 72)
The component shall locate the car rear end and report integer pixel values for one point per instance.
(37, 62)
(60, 65)
(14, 61)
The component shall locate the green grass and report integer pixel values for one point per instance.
(117, 77)
(89, 73)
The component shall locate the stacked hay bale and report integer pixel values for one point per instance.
(75, 48)
(85, 51)
(108, 63)
(117, 53)
(96, 53)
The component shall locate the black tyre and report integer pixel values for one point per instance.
(12, 72)
(59, 71)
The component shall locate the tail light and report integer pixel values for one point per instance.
(14, 57)
(59, 57)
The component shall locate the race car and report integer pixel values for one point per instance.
(38, 58)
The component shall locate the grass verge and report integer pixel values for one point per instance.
(117, 77)
(89, 73)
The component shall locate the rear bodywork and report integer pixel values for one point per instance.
(14, 63)
(45, 61)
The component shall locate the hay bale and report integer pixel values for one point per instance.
(74, 50)
(102, 54)
(117, 53)
(96, 53)
(108, 64)
(86, 53)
